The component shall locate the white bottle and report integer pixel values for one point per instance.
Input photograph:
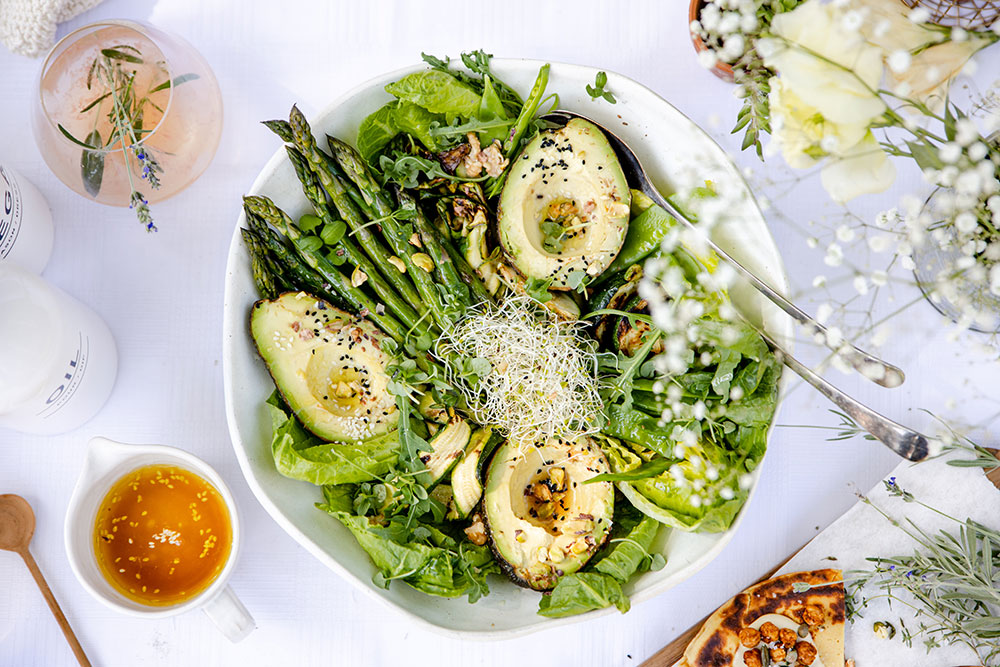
(58, 360)
(25, 222)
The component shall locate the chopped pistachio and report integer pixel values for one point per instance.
(398, 263)
(424, 261)
(359, 277)
(884, 630)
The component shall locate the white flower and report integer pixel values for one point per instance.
(899, 61)
(710, 17)
(950, 152)
(881, 335)
(852, 20)
(919, 15)
(707, 58)
(819, 281)
(733, 48)
(966, 222)
(879, 242)
(890, 28)
(834, 255)
(824, 312)
(995, 279)
(931, 70)
(969, 182)
(845, 234)
(966, 132)
(830, 69)
(729, 23)
(860, 285)
(862, 170)
(879, 278)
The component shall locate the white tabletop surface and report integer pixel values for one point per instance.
(162, 297)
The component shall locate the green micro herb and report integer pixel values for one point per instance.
(598, 89)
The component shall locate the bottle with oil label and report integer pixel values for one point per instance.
(25, 222)
(58, 360)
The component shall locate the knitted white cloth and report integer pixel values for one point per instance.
(28, 27)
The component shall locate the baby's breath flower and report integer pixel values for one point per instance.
(899, 61)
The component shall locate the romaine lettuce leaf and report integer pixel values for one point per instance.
(444, 567)
(301, 455)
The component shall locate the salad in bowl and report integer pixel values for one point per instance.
(454, 312)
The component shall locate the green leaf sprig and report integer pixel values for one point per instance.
(951, 581)
(112, 72)
(599, 91)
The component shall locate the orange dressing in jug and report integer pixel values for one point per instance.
(162, 535)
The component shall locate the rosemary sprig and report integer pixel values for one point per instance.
(951, 444)
(951, 581)
(112, 71)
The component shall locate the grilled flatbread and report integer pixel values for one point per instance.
(752, 622)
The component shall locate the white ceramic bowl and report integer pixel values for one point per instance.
(672, 148)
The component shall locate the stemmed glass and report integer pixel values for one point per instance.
(124, 111)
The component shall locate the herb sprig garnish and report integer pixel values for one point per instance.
(598, 90)
(112, 71)
(951, 581)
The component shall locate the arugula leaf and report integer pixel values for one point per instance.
(407, 170)
(651, 468)
(582, 592)
(411, 444)
(437, 92)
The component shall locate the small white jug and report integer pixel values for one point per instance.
(107, 461)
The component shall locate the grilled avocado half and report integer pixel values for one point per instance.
(328, 366)
(543, 522)
(565, 205)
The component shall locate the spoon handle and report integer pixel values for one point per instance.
(904, 441)
(873, 368)
(74, 644)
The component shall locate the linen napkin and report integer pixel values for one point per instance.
(862, 532)
(28, 27)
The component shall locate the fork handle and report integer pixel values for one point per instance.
(904, 441)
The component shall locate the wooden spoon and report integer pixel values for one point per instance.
(17, 526)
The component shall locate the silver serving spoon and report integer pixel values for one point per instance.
(871, 367)
(906, 442)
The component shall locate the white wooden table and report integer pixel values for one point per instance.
(162, 296)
